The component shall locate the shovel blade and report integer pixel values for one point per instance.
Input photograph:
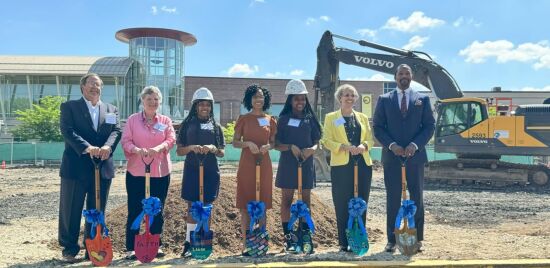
(301, 240)
(257, 242)
(146, 246)
(357, 241)
(201, 244)
(406, 241)
(100, 250)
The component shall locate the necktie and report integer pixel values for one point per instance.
(404, 104)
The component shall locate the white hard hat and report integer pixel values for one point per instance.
(202, 94)
(295, 86)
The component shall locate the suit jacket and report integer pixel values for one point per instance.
(417, 126)
(334, 136)
(78, 132)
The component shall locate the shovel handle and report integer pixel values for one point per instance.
(258, 161)
(300, 160)
(147, 176)
(97, 161)
(355, 179)
(403, 178)
(201, 181)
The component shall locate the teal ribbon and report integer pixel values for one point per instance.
(299, 210)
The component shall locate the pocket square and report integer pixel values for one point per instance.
(418, 103)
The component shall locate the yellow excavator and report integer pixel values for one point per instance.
(463, 125)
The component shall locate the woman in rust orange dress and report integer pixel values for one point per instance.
(255, 134)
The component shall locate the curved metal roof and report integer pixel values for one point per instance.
(125, 35)
(64, 65)
(111, 66)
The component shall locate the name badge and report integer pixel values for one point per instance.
(339, 121)
(110, 118)
(293, 122)
(263, 121)
(160, 126)
(207, 126)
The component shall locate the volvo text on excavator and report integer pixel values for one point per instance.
(463, 125)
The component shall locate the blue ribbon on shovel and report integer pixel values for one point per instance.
(151, 207)
(201, 213)
(256, 211)
(300, 210)
(356, 207)
(95, 217)
(407, 209)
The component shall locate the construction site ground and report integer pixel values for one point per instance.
(494, 224)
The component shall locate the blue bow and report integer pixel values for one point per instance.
(300, 210)
(256, 211)
(200, 213)
(407, 209)
(151, 207)
(95, 217)
(356, 207)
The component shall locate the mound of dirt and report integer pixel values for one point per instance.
(226, 222)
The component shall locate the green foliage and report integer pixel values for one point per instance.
(41, 122)
(228, 132)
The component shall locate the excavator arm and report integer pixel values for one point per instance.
(425, 71)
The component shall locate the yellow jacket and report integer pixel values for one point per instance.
(334, 136)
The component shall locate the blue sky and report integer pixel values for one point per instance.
(481, 43)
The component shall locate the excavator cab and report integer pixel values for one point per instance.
(454, 116)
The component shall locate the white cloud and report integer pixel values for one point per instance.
(374, 77)
(458, 22)
(368, 33)
(154, 10)
(243, 69)
(416, 42)
(310, 20)
(504, 51)
(546, 88)
(413, 23)
(297, 72)
(168, 10)
(274, 75)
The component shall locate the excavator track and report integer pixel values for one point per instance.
(486, 173)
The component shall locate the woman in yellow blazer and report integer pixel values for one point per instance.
(348, 136)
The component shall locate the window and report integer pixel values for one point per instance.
(389, 86)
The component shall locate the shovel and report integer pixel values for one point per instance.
(406, 238)
(356, 233)
(201, 237)
(146, 245)
(257, 238)
(301, 238)
(99, 247)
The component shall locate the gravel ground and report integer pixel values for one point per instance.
(462, 223)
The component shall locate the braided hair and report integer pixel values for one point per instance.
(193, 116)
(308, 111)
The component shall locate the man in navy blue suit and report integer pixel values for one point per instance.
(403, 123)
(90, 128)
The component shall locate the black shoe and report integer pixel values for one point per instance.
(160, 253)
(420, 249)
(68, 258)
(245, 254)
(186, 250)
(390, 247)
(130, 255)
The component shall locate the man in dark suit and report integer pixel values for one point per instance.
(403, 123)
(90, 128)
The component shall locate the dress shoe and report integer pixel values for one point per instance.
(420, 249)
(130, 255)
(160, 253)
(390, 247)
(186, 250)
(68, 258)
(345, 249)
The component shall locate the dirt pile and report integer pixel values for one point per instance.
(226, 222)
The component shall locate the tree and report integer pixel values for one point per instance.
(41, 122)
(229, 132)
